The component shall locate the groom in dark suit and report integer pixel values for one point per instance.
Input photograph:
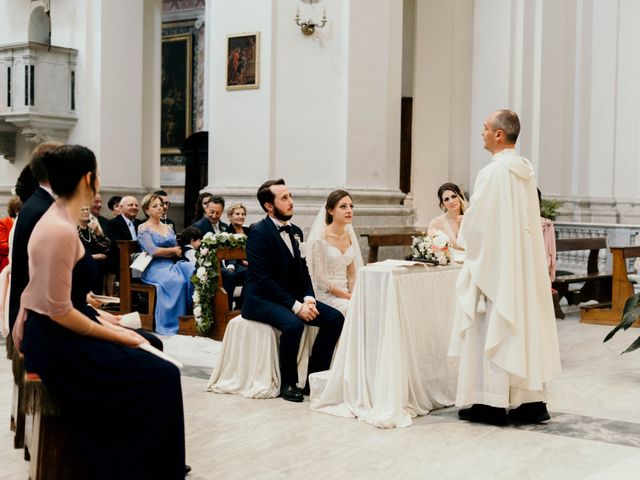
(278, 289)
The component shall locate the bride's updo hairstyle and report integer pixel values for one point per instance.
(66, 165)
(455, 189)
(332, 200)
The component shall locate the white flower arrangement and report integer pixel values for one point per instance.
(205, 278)
(432, 247)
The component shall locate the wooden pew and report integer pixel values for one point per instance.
(48, 444)
(128, 285)
(622, 289)
(220, 300)
(597, 285)
(377, 240)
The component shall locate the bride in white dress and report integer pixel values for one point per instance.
(333, 253)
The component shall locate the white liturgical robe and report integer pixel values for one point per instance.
(505, 261)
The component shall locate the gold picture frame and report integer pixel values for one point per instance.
(175, 124)
(243, 61)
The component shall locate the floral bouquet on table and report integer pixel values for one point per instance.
(205, 278)
(432, 247)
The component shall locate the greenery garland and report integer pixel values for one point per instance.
(205, 278)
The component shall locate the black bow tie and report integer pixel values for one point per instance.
(285, 228)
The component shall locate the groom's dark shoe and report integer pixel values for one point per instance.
(291, 393)
(533, 412)
(479, 413)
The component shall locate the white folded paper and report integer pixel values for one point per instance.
(131, 320)
(104, 299)
(158, 353)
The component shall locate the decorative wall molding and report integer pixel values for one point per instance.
(374, 210)
(604, 210)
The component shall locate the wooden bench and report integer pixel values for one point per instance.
(377, 240)
(48, 443)
(611, 313)
(222, 313)
(597, 285)
(128, 285)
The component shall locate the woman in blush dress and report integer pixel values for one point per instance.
(333, 253)
(171, 279)
(454, 204)
(122, 405)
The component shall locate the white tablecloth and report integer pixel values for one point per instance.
(248, 363)
(391, 363)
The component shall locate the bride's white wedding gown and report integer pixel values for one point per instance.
(330, 269)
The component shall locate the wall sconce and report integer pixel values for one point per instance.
(308, 27)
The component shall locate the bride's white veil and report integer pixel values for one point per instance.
(316, 233)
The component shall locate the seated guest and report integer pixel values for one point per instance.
(26, 184)
(125, 225)
(191, 238)
(114, 205)
(121, 227)
(212, 214)
(98, 245)
(164, 196)
(234, 273)
(278, 289)
(200, 205)
(107, 388)
(6, 224)
(453, 204)
(333, 253)
(171, 279)
(30, 213)
(96, 206)
(237, 213)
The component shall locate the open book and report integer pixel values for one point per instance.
(158, 353)
(131, 320)
(106, 300)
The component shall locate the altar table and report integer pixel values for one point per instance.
(391, 362)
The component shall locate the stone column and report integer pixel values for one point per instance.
(441, 99)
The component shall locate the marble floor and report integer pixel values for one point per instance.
(594, 432)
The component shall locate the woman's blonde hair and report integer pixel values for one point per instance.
(146, 201)
(234, 207)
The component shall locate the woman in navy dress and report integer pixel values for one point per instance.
(122, 405)
(171, 278)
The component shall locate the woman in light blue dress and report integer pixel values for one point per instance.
(171, 278)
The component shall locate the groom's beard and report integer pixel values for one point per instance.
(280, 215)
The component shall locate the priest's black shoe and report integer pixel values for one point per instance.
(291, 393)
(479, 413)
(187, 470)
(533, 412)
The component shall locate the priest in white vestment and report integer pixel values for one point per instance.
(504, 328)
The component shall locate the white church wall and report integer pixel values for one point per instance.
(326, 114)
(240, 120)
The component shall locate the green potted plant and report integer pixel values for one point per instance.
(549, 208)
(630, 314)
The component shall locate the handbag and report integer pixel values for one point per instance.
(141, 262)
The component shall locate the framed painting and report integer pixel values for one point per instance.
(243, 61)
(175, 125)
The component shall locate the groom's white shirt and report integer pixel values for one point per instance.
(287, 240)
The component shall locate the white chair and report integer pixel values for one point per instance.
(248, 362)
